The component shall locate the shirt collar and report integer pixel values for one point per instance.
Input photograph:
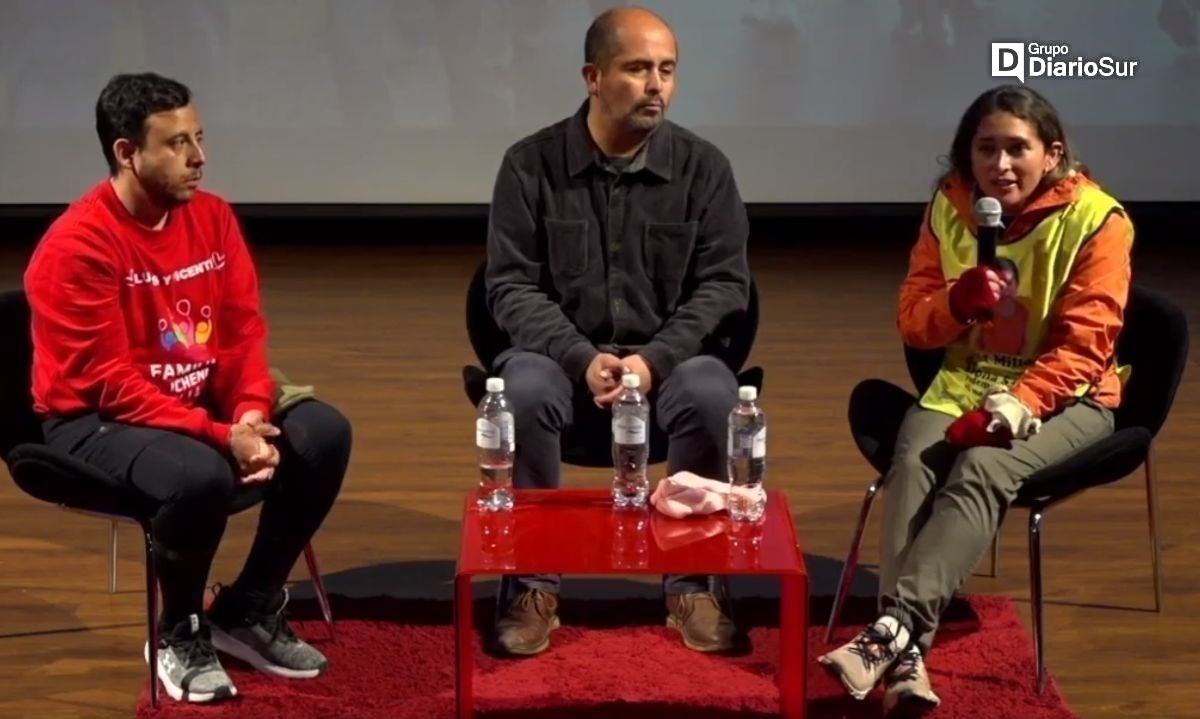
(582, 153)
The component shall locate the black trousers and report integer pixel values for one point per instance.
(188, 489)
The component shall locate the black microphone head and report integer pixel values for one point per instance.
(987, 212)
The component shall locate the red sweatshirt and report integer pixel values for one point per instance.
(158, 328)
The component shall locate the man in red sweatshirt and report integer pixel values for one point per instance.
(150, 364)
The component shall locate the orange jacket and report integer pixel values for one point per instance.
(1081, 342)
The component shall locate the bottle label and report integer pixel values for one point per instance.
(487, 434)
(629, 430)
(745, 442)
(492, 435)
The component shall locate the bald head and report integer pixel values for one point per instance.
(611, 28)
(629, 73)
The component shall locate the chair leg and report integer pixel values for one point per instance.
(995, 572)
(1152, 510)
(851, 564)
(112, 557)
(152, 618)
(1036, 606)
(314, 574)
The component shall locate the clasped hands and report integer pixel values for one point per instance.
(604, 376)
(256, 458)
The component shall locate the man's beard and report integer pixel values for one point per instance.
(640, 123)
(158, 189)
(164, 196)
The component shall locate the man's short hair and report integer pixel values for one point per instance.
(125, 103)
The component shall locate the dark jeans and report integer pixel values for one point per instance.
(692, 406)
(189, 486)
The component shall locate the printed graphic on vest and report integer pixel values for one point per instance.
(1008, 331)
(985, 372)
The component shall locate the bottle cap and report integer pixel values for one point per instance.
(631, 380)
(495, 384)
(747, 393)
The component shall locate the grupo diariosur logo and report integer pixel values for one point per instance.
(1033, 59)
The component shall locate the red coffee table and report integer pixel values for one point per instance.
(577, 531)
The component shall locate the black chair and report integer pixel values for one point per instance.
(74, 485)
(584, 444)
(1154, 342)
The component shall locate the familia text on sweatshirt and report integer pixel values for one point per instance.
(153, 327)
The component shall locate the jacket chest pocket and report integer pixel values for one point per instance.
(667, 249)
(567, 247)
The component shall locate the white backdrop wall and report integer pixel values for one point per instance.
(414, 101)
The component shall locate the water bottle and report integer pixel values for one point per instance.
(747, 457)
(494, 438)
(631, 445)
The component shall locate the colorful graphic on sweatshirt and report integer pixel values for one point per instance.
(181, 335)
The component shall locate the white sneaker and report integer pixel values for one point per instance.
(909, 693)
(187, 664)
(862, 662)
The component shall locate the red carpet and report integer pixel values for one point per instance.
(394, 659)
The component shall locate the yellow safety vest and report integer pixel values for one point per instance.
(995, 353)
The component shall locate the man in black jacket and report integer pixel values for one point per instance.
(616, 244)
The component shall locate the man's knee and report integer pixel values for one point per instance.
(192, 472)
(704, 386)
(537, 388)
(318, 432)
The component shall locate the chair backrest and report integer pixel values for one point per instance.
(731, 341)
(18, 423)
(923, 366)
(1154, 342)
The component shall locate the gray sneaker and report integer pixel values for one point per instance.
(264, 640)
(909, 693)
(188, 666)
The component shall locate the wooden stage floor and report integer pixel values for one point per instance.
(380, 332)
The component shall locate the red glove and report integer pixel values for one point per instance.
(975, 294)
(971, 430)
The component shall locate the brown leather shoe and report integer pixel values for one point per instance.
(698, 618)
(525, 628)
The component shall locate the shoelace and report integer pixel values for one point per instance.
(216, 589)
(874, 646)
(688, 608)
(277, 626)
(196, 651)
(275, 623)
(532, 599)
(906, 668)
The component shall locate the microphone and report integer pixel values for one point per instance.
(987, 218)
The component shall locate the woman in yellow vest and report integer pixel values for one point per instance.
(1028, 378)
